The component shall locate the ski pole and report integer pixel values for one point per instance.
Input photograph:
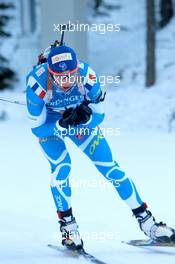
(12, 102)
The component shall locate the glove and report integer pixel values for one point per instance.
(69, 118)
(73, 117)
(84, 113)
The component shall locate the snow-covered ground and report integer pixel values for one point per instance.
(28, 220)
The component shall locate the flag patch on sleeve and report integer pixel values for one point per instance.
(36, 88)
(92, 77)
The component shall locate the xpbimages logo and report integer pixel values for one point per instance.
(101, 28)
(91, 78)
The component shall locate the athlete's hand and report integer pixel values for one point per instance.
(69, 118)
(76, 116)
(84, 113)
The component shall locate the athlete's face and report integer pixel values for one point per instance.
(65, 82)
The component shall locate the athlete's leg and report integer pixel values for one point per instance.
(98, 150)
(55, 151)
(95, 146)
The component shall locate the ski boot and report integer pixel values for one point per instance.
(158, 232)
(69, 229)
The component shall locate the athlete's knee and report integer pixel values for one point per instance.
(112, 173)
(60, 172)
(115, 173)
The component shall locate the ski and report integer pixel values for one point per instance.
(77, 253)
(148, 243)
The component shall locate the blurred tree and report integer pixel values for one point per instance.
(150, 44)
(166, 12)
(97, 4)
(6, 74)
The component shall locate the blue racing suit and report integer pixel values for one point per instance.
(45, 108)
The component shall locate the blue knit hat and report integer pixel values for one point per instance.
(62, 60)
